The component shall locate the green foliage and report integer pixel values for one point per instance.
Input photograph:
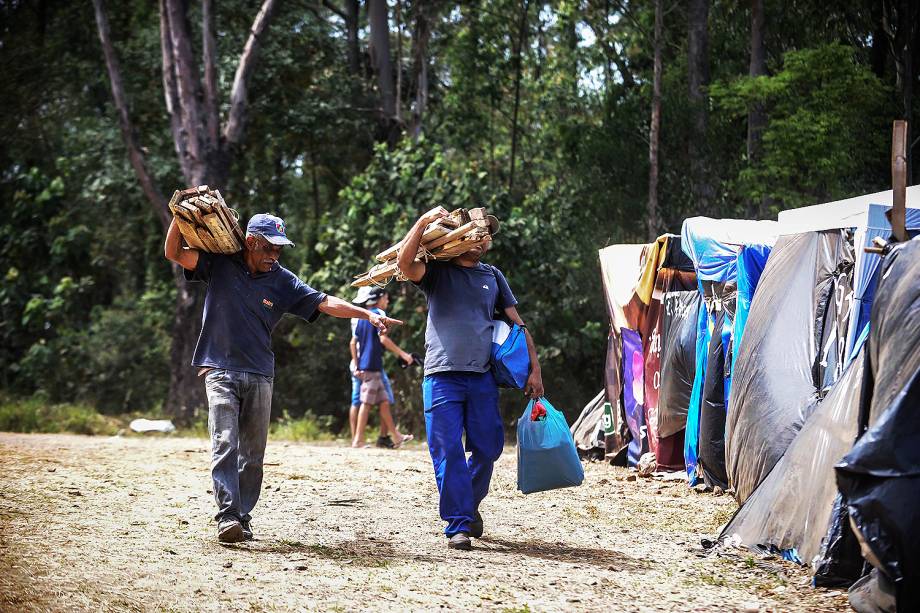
(309, 427)
(826, 127)
(38, 415)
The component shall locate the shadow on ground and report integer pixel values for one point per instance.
(367, 553)
(558, 552)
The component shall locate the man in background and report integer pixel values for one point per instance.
(368, 344)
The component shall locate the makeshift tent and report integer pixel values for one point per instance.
(678, 363)
(620, 266)
(790, 342)
(880, 477)
(668, 269)
(714, 245)
(789, 511)
(636, 279)
(779, 393)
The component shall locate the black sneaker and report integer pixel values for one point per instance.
(385, 442)
(247, 529)
(476, 526)
(229, 530)
(461, 540)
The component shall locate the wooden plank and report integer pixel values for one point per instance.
(452, 236)
(433, 231)
(189, 234)
(224, 239)
(205, 237)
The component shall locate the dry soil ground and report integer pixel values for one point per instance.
(125, 524)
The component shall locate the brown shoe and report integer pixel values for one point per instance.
(229, 530)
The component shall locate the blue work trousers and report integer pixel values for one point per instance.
(458, 402)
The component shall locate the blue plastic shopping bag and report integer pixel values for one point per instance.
(510, 358)
(546, 454)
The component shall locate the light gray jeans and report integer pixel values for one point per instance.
(239, 408)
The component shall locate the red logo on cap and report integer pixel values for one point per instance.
(280, 226)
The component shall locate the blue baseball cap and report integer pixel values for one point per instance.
(270, 228)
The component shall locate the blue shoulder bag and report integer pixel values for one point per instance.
(510, 358)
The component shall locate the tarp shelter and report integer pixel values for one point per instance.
(714, 246)
(790, 345)
(807, 321)
(880, 476)
(620, 267)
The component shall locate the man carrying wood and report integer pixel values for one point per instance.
(248, 292)
(459, 390)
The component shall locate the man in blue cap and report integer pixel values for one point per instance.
(459, 391)
(247, 294)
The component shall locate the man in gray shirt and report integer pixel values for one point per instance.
(460, 394)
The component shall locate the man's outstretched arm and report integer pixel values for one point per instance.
(175, 252)
(346, 310)
(534, 386)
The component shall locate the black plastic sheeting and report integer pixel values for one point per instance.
(880, 477)
(711, 458)
(790, 510)
(678, 360)
(780, 373)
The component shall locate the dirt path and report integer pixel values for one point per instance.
(125, 524)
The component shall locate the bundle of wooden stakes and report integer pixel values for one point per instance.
(205, 220)
(443, 239)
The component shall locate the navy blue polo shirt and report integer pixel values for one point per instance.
(241, 310)
(370, 349)
(461, 303)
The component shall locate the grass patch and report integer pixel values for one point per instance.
(306, 428)
(36, 415)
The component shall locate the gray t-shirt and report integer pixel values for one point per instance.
(461, 302)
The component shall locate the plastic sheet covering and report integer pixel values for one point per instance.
(713, 244)
(620, 267)
(617, 438)
(678, 360)
(876, 225)
(777, 373)
(880, 476)
(633, 390)
(751, 261)
(712, 409)
(692, 437)
(588, 429)
(791, 509)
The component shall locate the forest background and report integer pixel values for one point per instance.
(580, 123)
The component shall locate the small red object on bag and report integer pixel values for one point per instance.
(538, 412)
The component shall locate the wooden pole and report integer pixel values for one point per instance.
(899, 180)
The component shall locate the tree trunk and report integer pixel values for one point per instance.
(420, 38)
(654, 131)
(378, 17)
(204, 155)
(351, 36)
(757, 116)
(698, 73)
(518, 69)
(904, 60)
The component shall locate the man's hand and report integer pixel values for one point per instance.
(407, 358)
(435, 214)
(382, 322)
(534, 386)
